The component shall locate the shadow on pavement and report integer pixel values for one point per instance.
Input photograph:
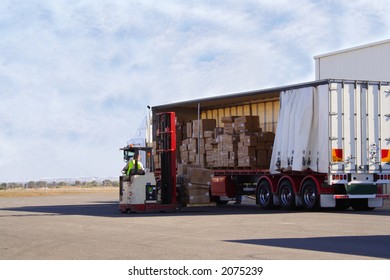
(110, 209)
(376, 246)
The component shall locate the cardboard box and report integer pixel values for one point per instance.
(189, 129)
(269, 145)
(247, 119)
(200, 175)
(248, 140)
(228, 128)
(233, 147)
(266, 137)
(198, 192)
(208, 147)
(182, 169)
(193, 145)
(203, 125)
(247, 161)
(208, 134)
(191, 156)
(246, 151)
(262, 158)
(246, 124)
(229, 119)
(201, 159)
(229, 139)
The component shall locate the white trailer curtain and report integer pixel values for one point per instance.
(301, 140)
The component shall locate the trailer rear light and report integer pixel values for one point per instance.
(385, 155)
(337, 155)
(384, 177)
(341, 196)
(339, 177)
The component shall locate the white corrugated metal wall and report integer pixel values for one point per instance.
(368, 62)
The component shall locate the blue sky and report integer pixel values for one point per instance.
(76, 76)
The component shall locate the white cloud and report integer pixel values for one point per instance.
(76, 76)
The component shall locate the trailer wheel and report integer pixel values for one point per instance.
(286, 195)
(310, 199)
(264, 195)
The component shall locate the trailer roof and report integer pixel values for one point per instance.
(234, 98)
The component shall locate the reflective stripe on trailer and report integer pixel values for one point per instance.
(353, 196)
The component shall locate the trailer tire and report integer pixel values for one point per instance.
(286, 195)
(264, 195)
(310, 197)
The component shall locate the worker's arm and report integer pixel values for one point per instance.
(141, 170)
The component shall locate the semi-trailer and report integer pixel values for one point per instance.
(317, 144)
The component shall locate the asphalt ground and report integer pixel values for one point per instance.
(88, 226)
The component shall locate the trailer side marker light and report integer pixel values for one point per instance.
(339, 177)
(385, 155)
(337, 155)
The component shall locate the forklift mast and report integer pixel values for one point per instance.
(166, 147)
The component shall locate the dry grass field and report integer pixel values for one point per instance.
(22, 192)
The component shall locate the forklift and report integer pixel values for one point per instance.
(148, 189)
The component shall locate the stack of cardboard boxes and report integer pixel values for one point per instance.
(202, 146)
(192, 151)
(239, 143)
(265, 142)
(227, 150)
(247, 127)
(196, 184)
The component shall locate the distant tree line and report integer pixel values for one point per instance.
(53, 184)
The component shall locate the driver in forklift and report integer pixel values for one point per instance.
(130, 167)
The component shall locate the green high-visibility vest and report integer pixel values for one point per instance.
(131, 166)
